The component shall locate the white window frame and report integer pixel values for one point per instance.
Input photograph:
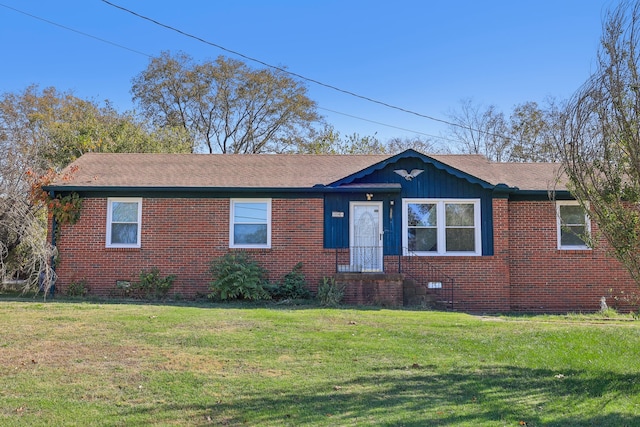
(441, 226)
(232, 204)
(587, 222)
(110, 202)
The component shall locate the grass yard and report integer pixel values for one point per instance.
(74, 363)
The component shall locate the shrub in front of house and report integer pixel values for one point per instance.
(330, 293)
(236, 276)
(152, 285)
(77, 288)
(293, 286)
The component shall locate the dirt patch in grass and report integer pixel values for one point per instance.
(187, 362)
(73, 357)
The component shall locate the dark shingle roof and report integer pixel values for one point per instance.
(274, 171)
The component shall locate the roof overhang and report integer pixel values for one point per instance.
(541, 195)
(414, 154)
(317, 189)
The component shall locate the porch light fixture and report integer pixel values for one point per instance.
(369, 196)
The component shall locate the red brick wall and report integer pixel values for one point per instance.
(527, 272)
(545, 279)
(371, 288)
(481, 282)
(182, 236)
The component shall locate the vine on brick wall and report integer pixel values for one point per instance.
(65, 209)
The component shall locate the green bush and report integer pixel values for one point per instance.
(152, 285)
(294, 286)
(78, 288)
(123, 288)
(329, 292)
(237, 276)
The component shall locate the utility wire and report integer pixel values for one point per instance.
(254, 60)
(249, 58)
(151, 56)
(75, 31)
(391, 126)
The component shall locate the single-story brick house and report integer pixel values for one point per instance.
(479, 235)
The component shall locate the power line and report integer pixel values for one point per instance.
(260, 62)
(75, 31)
(391, 126)
(151, 56)
(366, 98)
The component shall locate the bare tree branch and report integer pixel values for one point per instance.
(599, 141)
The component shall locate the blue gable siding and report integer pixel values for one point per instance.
(432, 183)
(336, 228)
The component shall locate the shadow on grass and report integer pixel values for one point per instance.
(420, 395)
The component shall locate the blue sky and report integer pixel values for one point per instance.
(423, 56)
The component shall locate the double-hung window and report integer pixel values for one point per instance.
(124, 219)
(573, 225)
(250, 223)
(441, 226)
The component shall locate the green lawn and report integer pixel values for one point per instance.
(73, 363)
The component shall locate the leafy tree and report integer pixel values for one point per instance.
(356, 144)
(75, 126)
(56, 127)
(329, 141)
(527, 135)
(42, 131)
(600, 137)
(323, 141)
(531, 132)
(226, 106)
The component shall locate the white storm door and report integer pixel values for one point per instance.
(365, 236)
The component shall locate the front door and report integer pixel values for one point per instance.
(365, 236)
